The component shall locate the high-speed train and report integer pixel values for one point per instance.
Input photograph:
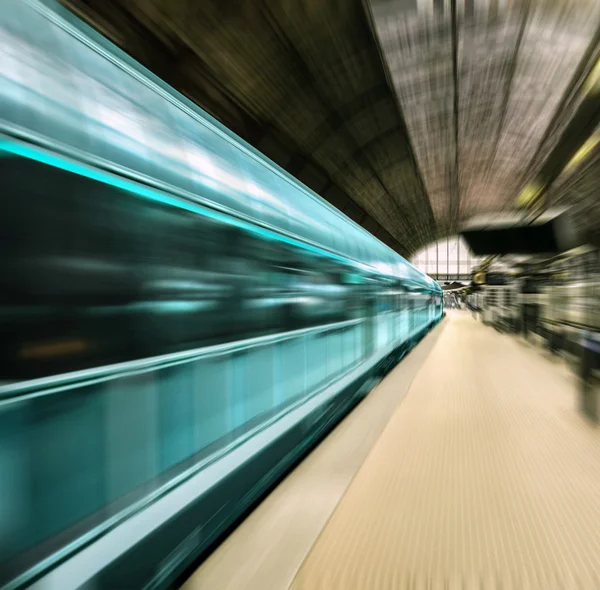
(168, 297)
(133, 224)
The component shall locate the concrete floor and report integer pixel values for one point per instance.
(485, 477)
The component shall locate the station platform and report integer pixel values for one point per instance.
(473, 469)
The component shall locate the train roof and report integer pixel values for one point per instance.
(71, 98)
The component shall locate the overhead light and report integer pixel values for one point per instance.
(479, 278)
(529, 195)
(592, 83)
(583, 151)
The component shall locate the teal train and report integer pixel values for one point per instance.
(180, 317)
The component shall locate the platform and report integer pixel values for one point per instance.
(486, 476)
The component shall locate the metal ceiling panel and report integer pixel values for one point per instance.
(480, 85)
(416, 41)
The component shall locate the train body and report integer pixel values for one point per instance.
(167, 294)
(134, 225)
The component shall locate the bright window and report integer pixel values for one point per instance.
(447, 259)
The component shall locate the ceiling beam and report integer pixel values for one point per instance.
(511, 77)
(454, 197)
(370, 22)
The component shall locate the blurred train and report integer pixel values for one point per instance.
(181, 320)
(93, 275)
(97, 276)
(134, 225)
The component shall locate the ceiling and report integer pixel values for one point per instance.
(408, 115)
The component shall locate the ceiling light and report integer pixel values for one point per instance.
(583, 151)
(529, 195)
(592, 83)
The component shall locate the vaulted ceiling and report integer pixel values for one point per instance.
(408, 115)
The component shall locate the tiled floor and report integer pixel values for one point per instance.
(485, 477)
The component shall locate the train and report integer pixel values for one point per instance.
(133, 225)
(168, 297)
